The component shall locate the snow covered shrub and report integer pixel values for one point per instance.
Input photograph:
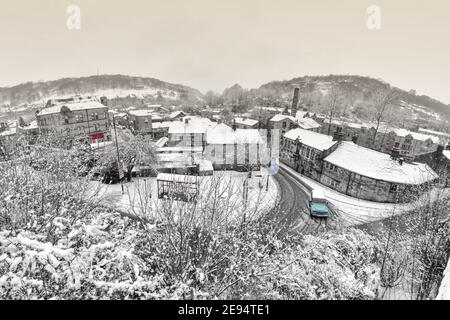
(331, 266)
(57, 241)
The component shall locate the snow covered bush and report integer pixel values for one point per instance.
(58, 241)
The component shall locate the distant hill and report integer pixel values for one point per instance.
(33, 94)
(357, 91)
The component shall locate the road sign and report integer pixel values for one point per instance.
(274, 165)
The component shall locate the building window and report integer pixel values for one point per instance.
(284, 124)
(394, 188)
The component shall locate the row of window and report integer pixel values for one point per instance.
(79, 117)
(331, 182)
(330, 166)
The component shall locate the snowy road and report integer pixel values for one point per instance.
(294, 202)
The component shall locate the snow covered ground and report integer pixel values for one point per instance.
(141, 195)
(444, 291)
(352, 211)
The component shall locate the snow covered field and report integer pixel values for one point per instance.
(352, 211)
(141, 195)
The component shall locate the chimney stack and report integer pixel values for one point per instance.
(234, 125)
(295, 102)
(395, 152)
(104, 101)
(338, 135)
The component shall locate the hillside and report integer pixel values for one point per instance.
(31, 94)
(356, 91)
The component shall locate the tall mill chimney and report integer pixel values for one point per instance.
(295, 102)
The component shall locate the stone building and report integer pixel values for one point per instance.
(160, 129)
(308, 124)
(191, 132)
(351, 169)
(76, 118)
(411, 143)
(444, 137)
(141, 120)
(439, 161)
(235, 149)
(283, 123)
(246, 123)
(371, 175)
(304, 150)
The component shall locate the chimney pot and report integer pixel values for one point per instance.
(295, 102)
(395, 152)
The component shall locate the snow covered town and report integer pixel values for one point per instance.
(317, 173)
(320, 174)
(223, 155)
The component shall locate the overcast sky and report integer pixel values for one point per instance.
(211, 44)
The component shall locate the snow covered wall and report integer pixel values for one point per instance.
(444, 291)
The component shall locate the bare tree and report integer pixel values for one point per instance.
(334, 102)
(383, 100)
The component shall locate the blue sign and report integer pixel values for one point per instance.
(274, 165)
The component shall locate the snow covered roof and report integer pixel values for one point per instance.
(246, 122)
(161, 125)
(312, 139)
(223, 134)
(176, 114)
(177, 178)
(141, 113)
(179, 149)
(379, 166)
(435, 133)
(103, 144)
(301, 114)
(82, 105)
(416, 135)
(307, 123)
(9, 132)
(269, 109)
(281, 117)
(446, 154)
(346, 123)
(31, 126)
(194, 125)
(117, 113)
(161, 142)
(204, 165)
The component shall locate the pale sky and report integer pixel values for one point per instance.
(212, 44)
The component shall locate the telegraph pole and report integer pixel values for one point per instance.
(119, 163)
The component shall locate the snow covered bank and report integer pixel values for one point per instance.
(354, 211)
(444, 291)
(141, 195)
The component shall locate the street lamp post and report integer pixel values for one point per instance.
(119, 163)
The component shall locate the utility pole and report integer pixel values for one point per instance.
(119, 163)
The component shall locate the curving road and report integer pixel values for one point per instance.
(294, 205)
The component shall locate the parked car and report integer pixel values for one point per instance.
(318, 205)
